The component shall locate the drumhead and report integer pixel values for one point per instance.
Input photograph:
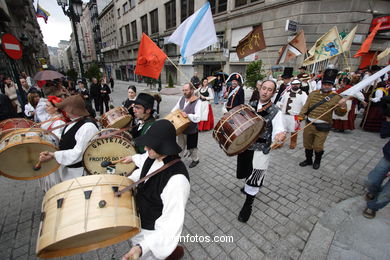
(108, 149)
(241, 142)
(120, 122)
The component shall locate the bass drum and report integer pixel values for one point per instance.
(238, 129)
(109, 145)
(116, 118)
(11, 124)
(19, 153)
(83, 214)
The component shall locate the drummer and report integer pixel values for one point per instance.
(74, 138)
(252, 164)
(143, 112)
(161, 200)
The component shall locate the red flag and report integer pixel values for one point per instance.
(150, 59)
(367, 43)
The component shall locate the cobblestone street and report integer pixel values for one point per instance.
(285, 211)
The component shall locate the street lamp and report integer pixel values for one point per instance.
(74, 11)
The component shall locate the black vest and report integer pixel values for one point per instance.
(148, 195)
(68, 140)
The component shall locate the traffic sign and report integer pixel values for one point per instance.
(291, 26)
(11, 46)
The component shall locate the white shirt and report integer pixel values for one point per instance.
(28, 110)
(277, 122)
(195, 118)
(297, 104)
(40, 111)
(167, 229)
(378, 96)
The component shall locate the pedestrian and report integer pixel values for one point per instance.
(112, 83)
(161, 199)
(29, 80)
(195, 80)
(95, 93)
(286, 76)
(217, 87)
(190, 107)
(373, 116)
(206, 115)
(235, 93)
(104, 96)
(74, 138)
(29, 108)
(11, 90)
(87, 98)
(129, 102)
(252, 164)
(7, 110)
(319, 102)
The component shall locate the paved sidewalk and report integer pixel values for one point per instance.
(286, 211)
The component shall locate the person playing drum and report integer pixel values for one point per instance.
(143, 112)
(74, 138)
(161, 199)
(252, 164)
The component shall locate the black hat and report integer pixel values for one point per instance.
(329, 76)
(235, 76)
(302, 67)
(145, 100)
(287, 73)
(161, 137)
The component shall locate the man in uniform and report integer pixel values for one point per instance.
(286, 76)
(235, 94)
(252, 164)
(190, 106)
(143, 111)
(319, 102)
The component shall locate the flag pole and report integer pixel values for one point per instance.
(182, 73)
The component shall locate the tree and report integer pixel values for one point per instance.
(170, 80)
(254, 72)
(72, 74)
(93, 72)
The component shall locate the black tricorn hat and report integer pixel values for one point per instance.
(330, 76)
(145, 100)
(161, 137)
(287, 73)
(235, 76)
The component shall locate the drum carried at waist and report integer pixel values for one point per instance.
(238, 129)
(178, 120)
(19, 153)
(109, 145)
(83, 214)
(118, 117)
(11, 124)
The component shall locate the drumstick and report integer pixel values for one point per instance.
(37, 166)
(108, 163)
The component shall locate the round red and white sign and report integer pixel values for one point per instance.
(11, 46)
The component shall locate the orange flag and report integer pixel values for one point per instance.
(150, 59)
(367, 43)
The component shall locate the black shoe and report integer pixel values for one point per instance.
(246, 210)
(309, 158)
(306, 163)
(193, 164)
(243, 191)
(317, 159)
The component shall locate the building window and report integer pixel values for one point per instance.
(121, 33)
(119, 12)
(134, 30)
(132, 3)
(144, 24)
(125, 7)
(218, 6)
(153, 21)
(127, 28)
(244, 2)
(186, 9)
(170, 14)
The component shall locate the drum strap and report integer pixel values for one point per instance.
(119, 193)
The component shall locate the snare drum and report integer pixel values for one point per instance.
(19, 153)
(238, 129)
(111, 148)
(116, 118)
(11, 124)
(180, 123)
(83, 214)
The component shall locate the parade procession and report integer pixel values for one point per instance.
(183, 129)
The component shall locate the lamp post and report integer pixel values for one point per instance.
(74, 11)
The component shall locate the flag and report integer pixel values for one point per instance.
(367, 43)
(195, 33)
(42, 13)
(383, 54)
(251, 43)
(365, 82)
(346, 42)
(295, 47)
(150, 59)
(327, 46)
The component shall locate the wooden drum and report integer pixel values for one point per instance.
(116, 118)
(83, 214)
(19, 153)
(177, 119)
(238, 129)
(11, 124)
(107, 147)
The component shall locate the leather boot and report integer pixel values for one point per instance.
(293, 141)
(246, 210)
(317, 159)
(309, 158)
